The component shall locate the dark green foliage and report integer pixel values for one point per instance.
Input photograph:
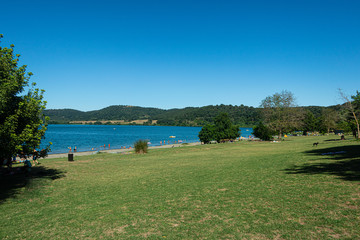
(351, 113)
(207, 133)
(356, 114)
(22, 123)
(223, 129)
(311, 124)
(263, 132)
(243, 116)
(356, 101)
(126, 113)
(141, 146)
(280, 112)
(191, 116)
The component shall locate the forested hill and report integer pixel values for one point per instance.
(190, 116)
(126, 113)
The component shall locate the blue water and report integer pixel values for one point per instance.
(93, 137)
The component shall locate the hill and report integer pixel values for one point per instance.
(190, 116)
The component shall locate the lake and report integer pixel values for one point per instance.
(88, 137)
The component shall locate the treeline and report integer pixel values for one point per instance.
(243, 116)
(125, 113)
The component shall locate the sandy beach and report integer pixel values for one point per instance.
(63, 155)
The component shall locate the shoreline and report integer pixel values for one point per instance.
(115, 151)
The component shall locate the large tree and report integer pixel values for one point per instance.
(280, 113)
(310, 123)
(353, 106)
(22, 123)
(223, 129)
(329, 117)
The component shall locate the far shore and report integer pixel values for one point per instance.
(87, 153)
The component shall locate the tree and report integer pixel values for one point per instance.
(263, 132)
(207, 133)
(223, 129)
(354, 108)
(329, 118)
(280, 113)
(22, 124)
(310, 123)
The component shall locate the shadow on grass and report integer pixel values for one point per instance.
(344, 163)
(11, 183)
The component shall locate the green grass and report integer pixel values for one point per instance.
(244, 190)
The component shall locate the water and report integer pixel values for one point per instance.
(88, 137)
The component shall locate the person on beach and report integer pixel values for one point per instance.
(109, 146)
(75, 149)
(69, 149)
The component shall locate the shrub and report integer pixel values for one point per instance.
(207, 133)
(263, 132)
(141, 146)
(222, 129)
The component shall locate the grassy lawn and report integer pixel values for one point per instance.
(244, 190)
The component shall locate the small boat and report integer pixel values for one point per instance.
(172, 137)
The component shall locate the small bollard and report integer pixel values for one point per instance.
(70, 157)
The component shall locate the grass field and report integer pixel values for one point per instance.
(243, 190)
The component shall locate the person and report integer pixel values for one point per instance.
(35, 156)
(75, 149)
(69, 149)
(27, 163)
(109, 146)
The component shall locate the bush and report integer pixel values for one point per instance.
(222, 129)
(141, 146)
(263, 132)
(207, 133)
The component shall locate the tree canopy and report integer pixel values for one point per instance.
(22, 123)
(353, 109)
(223, 129)
(263, 132)
(280, 112)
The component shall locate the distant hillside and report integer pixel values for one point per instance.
(124, 113)
(190, 116)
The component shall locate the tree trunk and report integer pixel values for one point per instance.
(358, 130)
(357, 125)
(279, 134)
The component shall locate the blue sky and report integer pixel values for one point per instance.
(173, 54)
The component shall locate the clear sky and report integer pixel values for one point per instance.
(178, 53)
